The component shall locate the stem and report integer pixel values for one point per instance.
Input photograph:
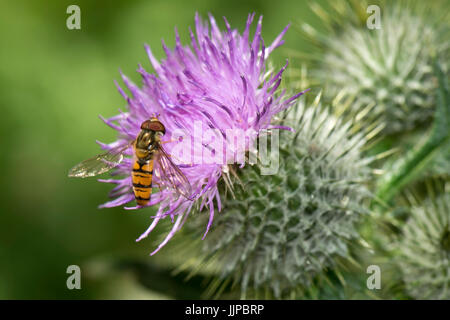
(408, 167)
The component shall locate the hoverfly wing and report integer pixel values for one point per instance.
(171, 176)
(99, 164)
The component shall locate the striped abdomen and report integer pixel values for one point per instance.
(142, 180)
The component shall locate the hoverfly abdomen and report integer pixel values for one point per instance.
(146, 146)
(142, 181)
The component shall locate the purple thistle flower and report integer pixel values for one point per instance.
(218, 82)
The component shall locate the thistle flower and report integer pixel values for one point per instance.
(220, 82)
(283, 230)
(424, 249)
(391, 66)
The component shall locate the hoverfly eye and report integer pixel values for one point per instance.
(146, 125)
(153, 125)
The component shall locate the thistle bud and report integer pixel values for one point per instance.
(282, 230)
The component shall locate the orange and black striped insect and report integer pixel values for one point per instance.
(148, 149)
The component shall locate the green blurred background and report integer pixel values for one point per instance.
(54, 83)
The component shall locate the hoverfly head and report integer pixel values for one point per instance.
(154, 125)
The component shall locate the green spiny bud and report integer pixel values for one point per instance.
(282, 230)
(390, 66)
(424, 250)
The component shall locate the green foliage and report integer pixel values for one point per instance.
(407, 168)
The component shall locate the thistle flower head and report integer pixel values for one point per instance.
(219, 82)
(283, 230)
(424, 249)
(391, 66)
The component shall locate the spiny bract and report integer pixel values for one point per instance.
(425, 250)
(282, 230)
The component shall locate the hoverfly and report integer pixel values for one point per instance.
(148, 149)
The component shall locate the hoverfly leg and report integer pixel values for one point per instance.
(169, 141)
